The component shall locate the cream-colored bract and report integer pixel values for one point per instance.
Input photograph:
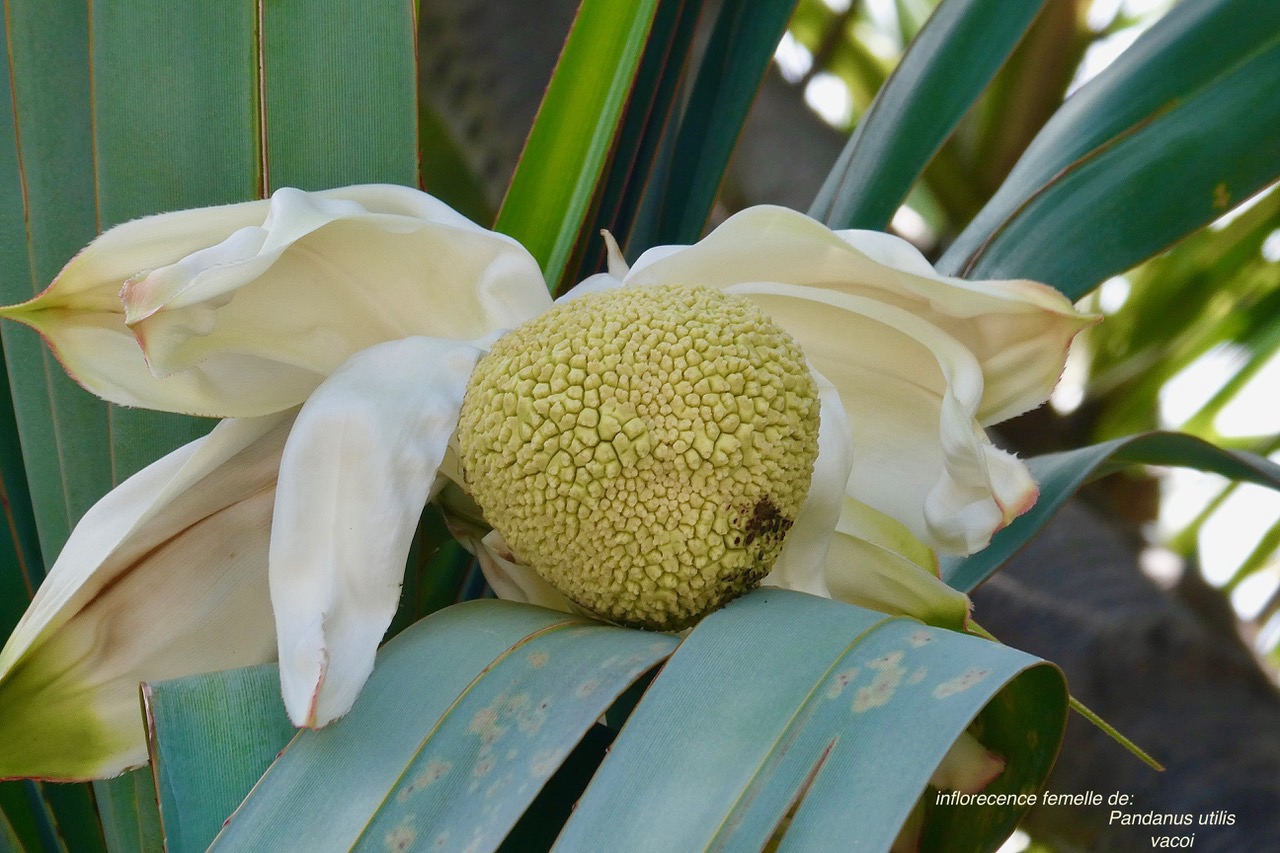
(244, 309)
(372, 304)
(165, 576)
(365, 451)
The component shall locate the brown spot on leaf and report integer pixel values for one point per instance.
(1221, 197)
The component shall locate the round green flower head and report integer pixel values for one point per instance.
(644, 449)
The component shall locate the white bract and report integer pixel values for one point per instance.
(372, 306)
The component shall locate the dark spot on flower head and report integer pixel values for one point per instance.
(766, 524)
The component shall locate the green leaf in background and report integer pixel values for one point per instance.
(844, 710)
(642, 153)
(339, 93)
(941, 74)
(465, 716)
(1061, 474)
(21, 566)
(154, 110)
(211, 737)
(1180, 84)
(28, 815)
(1214, 289)
(128, 811)
(98, 136)
(1220, 141)
(740, 48)
(49, 212)
(556, 180)
(77, 819)
(9, 840)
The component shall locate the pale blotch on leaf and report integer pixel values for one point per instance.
(888, 660)
(478, 771)
(533, 719)
(920, 638)
(840, 681)
(498, 786)
(889, 675)
(484, 720)
(960, 683)
(431, 773)
(918, 675)
(538, 660)
(401, 838)
(544, 763)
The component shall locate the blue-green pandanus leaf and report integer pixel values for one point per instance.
(465, 717)
(210, 737)
(783, 698)
(738, 51)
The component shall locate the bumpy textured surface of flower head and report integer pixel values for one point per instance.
(645, 450)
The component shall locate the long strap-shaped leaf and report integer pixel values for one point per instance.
(943, 71)
(469, 712)
(10, 842)
(127, 809)
(1181, 84)
(21, 566)
(555, 182)
(738, 51)
(1223, 143)
(1061, 474)
(49, 206)
(465, 717)
(780, 686)
(47, 212)
(646, 138)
